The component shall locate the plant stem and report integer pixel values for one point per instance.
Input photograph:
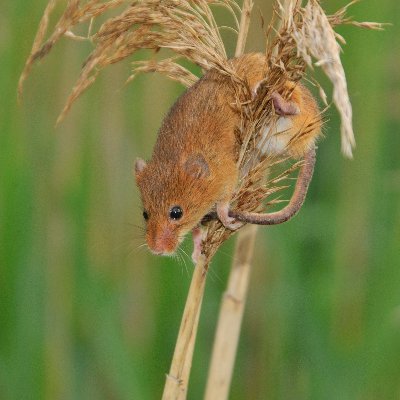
(178, 377)
(177, 380)
(230, 317)
(244, 27)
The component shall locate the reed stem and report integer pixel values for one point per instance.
(177, 379)
(230, 317)
(243, 27)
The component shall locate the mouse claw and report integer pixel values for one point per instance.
(227, 221)
(232, 224)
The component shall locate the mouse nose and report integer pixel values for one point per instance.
(162, 242)
(162, 246)
(157, 251)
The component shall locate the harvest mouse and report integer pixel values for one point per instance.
(193, 167)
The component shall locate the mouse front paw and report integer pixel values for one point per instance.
(198, 236)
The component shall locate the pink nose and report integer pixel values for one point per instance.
(162, 243)
(162, 247)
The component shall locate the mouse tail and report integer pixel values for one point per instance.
(295, 203)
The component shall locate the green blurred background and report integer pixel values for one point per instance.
(85, 314)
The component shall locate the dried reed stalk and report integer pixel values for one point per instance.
(230, 317)
(244, 27)
(177, 379)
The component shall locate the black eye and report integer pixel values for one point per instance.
(145, 215)
(176, 212)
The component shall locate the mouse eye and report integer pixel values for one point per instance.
(145, 215)
(175, 213)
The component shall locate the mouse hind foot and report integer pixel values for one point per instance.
(223, 215)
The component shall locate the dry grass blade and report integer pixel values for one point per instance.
(340, 18)
(316, 38)
(73, 15)
(37, 43)
(167, 67)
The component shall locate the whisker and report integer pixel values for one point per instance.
(176, 256)
(183, 259)
(228, 255)
(141, 247)
(136, 249)
(214, 275)
(140, 227)
(186, 254)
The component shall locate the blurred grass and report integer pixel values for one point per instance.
(84, 314)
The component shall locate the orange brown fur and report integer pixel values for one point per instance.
(201, 127)
(306, 125)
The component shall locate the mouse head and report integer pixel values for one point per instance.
(176, 194)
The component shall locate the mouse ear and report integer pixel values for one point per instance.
(140, 165)
(197, 167)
